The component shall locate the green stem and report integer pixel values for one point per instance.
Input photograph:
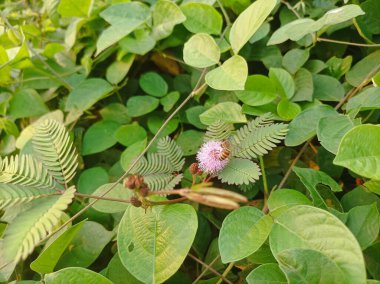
(225, 273)
(265, 182)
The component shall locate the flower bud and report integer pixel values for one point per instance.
(194, 168)
(139, 181)
(135, 201)
(130, 182)
(144, 190)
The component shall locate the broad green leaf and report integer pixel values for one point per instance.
(124, 18)
(231, 75)
(363, 69)
(286, 197)
(340, 15)
(201, 51)
(140, 105)
(327, 88)
(322, 197)
(304, 125)
(283, 81)
(248, 22)
(268, 273)
(169, 101)
(130, 134)
(331, 130)
(75, 275)
(297, 29)
(131, 153)
(116, 112)
(294, 31)
(227, 112)
(118, 274)
(309, 266)
(49, 257)
(190, 141)
(91, 178)
(140, 43)
(287, 109)
(259, 90)
(243, 232)
(364, 223)
(359, 151)
(153, 244)
(240, 171)
(5, 71)
(153, 84)
(294, 59)
(99, 137)
(83, 252)
(373, 186)
(371, 18)
(359, 196)
(303, 81)
(166, 15)
(75, 8)
(339, 66)
(118, 70)
(202, 18)
(155, 122)
(365, 100)
(26, 103)
(261, 33)
(87, 93)
(192, 115)
(118, 192)
(306, 227)
(372, 258)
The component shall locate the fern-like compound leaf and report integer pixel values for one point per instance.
(154, 164)
(172, 151)
(158, 182)
(11, 195)
(34, 224)
(240, 171)
(26, 171)
(218, 131)
(257, 138)
(54, 148)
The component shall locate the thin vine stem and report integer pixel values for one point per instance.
(225, 273)
(348, 42)
(206, 269)
(209, 268)
(265, 182)
(224, 12)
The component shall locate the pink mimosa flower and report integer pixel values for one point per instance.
(209, 157)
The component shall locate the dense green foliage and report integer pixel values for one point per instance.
(129, 130)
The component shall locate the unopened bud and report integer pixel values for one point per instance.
(139, 182)
(130, 182)
(194, 168)
(144, 191)
(135, 201)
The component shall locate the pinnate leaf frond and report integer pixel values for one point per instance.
(54, 148)
(11, 195)
(34, 224)
(157, 182)
(218, 131)
(257, 138)
(26, 171)
(172, 151)
(240, 171)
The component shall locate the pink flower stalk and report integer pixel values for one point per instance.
(209, 157)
